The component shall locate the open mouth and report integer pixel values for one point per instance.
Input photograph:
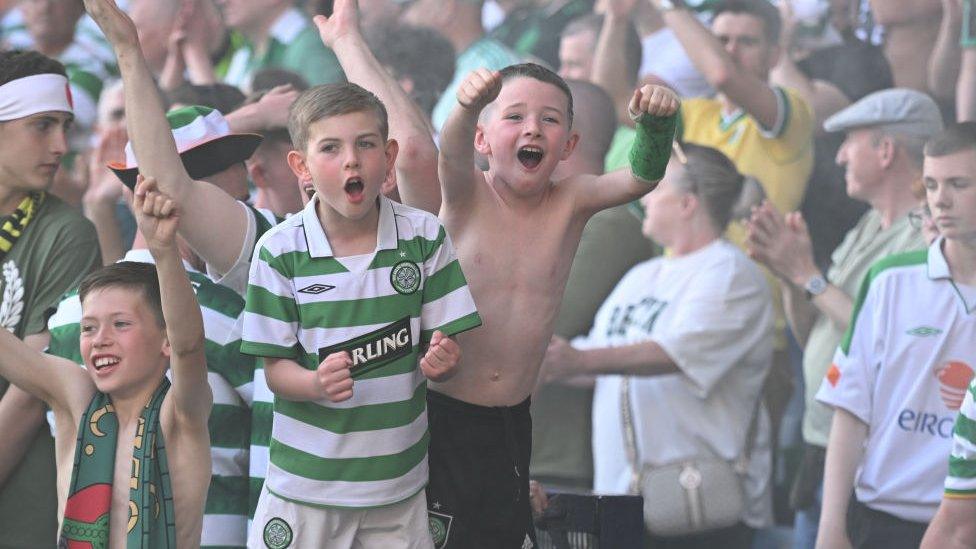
(354, 189)
(309, 190)
(530, 156)
(104, 363)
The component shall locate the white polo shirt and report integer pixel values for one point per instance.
(903, 368)
(711, 311)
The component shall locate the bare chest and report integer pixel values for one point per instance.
(125, 474)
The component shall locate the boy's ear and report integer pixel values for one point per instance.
(688, 203)
(296, 161)
(570, 145)
(256, 170)
(390, 183)
(481, 142)
(166, 350)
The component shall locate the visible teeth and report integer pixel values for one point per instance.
(105, 361)
(532, 149)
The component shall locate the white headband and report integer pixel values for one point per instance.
(34, 94)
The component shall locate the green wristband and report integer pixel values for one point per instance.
(651, 149)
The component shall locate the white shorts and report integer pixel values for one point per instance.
(281, 524)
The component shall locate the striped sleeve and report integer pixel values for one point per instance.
(447, 302)
(961, 481)
(270, 310)
(65, 329)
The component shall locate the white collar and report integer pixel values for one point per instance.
(387, 234)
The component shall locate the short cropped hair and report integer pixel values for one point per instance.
(542, 74)
(762, 9)
(330, 100)
(954, 138)
(713, 178)
(131, 275)
(17, 64)
(633, 49)
(420, 54)
(222, 97)
(597, 114)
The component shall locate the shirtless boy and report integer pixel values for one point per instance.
(516, 232)
(133, 453)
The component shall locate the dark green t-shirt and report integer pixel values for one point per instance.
(612, 243)
(57, 249)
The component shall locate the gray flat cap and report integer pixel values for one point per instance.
(897, 110)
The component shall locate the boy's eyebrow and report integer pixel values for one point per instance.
(337, 139)
(545, 107)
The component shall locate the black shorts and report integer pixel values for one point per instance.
(478, 494)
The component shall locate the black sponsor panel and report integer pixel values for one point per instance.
(375, 349)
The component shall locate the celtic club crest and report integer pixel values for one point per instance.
(440, 527)
(405, 277)
(277, 534)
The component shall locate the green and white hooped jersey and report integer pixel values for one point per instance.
(903, 369)
(961, 481)
(304, 304)
(230, 374)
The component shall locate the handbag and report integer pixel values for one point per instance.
(690, 496)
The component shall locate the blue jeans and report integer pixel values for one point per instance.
(806, 522)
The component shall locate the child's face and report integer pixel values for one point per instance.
(124, 348)
(526, 133)
(348, 162)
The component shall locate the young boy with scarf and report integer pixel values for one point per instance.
(132, 448)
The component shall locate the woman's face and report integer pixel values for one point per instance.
(663, 206)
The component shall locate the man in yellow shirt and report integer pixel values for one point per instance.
(767, 131)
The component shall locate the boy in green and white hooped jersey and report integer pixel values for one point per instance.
(343, 299)
(903, 368)
(229, 373)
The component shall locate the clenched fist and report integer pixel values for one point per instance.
(334, 377)
(655, 101)
(441, 359)
(479, 88)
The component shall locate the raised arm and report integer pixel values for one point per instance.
(158, 219)
(416, 164)
(823, 97)
(58, 382)
(710, 58)
(610, 70)
(947, 55)
(456, 164)
(655, 111)
(219, 244)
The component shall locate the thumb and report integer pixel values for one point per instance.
(320, 21)
(634, 106)
(436, 338)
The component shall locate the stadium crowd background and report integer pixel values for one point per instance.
(761, 86)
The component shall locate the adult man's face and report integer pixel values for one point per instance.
(32, 150)
(860, 156)
(950, 189)
(744, 39)
(246, 14)
(51, 20)
(576, 56)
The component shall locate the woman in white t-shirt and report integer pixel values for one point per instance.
(693, 333)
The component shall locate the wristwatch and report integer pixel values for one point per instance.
(815, 286)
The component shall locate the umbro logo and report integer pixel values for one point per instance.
(924, 331)
(316, 289)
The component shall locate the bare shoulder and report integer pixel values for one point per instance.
(76, 387)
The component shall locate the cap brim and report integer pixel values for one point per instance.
(206, 159)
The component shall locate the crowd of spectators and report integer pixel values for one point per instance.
(796, 298)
